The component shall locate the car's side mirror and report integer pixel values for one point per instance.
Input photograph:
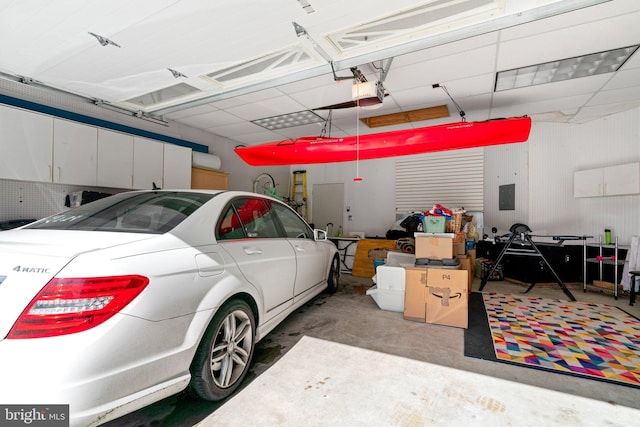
(319, 234)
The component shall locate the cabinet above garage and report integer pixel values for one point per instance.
(607, 181)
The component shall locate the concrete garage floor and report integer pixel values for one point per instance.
(351, 317)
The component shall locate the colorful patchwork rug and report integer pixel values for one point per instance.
(577, 338)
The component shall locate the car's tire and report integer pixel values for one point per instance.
(225, 352)
(334, 275)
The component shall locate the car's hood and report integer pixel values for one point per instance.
(30, 258)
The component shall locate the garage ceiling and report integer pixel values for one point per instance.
(219, 65)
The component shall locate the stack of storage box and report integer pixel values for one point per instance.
(436, 289)
(431, 285)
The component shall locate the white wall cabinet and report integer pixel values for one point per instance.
(41, 148)
(610, 181)
(26, 144)
(75, 152)
(115, 159)
(177, 167)
(148, 163)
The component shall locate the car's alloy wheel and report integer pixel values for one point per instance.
(224, 355)
(334, 275)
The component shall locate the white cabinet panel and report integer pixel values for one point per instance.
(75, 149)
(622, 179)
(610, 181)
(26, 144)
(148, 163)
(588, 183)
(177, 167)
(115, 159)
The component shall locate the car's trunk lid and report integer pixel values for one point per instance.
(30, 258)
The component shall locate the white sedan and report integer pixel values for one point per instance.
(124, 301)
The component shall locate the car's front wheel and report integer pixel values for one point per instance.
(223, 357)
(334, 275)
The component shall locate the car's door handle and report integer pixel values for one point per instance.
(252, 251)
(300, 249)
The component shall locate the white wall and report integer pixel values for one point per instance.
(372, 200)
(551, 156)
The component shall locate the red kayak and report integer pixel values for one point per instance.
(451, 136)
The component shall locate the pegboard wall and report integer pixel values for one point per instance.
(26, 200)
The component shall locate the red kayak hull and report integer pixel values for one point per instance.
(451, 136)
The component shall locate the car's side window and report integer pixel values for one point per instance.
(256, 217)
(294, 227)
(230, 226)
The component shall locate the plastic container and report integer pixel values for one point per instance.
(451, 264)
(389, 300)
(400, 259)
(434, 224)
(390, 278)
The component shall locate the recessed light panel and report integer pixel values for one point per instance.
(564, 69)
(289, 120)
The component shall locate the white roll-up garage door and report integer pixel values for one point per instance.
(450, 178)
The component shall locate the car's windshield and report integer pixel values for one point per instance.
(149, 212)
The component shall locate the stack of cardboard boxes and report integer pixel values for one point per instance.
(436, 294)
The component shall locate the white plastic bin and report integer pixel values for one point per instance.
(389, 300)
(390, 278)
(400, 259)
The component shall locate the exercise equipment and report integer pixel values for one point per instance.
(520, 234)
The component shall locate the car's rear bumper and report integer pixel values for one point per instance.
(98, 383)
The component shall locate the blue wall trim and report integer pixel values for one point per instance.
(28, 105)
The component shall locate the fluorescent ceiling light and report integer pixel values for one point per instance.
(289, 120)
(564, 69)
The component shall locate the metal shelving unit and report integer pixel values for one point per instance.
(602, 261)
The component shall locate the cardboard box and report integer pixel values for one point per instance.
(465, 264)
(434, 247)
(471, 253)
(460, 237)
(415, 294)
(447, 298)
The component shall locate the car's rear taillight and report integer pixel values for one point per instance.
(65, 306)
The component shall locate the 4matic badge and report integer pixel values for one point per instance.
(29, 269)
